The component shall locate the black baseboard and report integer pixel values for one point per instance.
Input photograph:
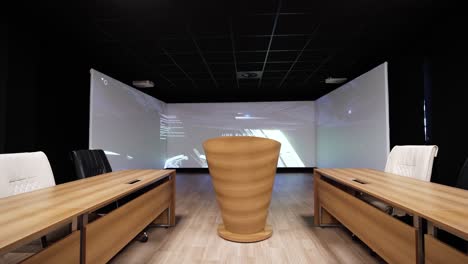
(190, 170)
(296, 170)
(280, 170)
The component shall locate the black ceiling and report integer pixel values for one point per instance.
(192, 50)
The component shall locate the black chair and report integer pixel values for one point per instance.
(89, 163)
(462, 181)
(92, 162)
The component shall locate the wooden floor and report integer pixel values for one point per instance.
(295, 240)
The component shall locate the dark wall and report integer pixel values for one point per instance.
(406, 98)
(21, 90)
(44, 88)
(449, 115)
(3, 80)
(47, 91)
(447, 62)
(434, 72)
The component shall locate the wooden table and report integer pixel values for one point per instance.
(336, 199)
(29, 216)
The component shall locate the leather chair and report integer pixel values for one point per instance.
(25, 172)
(462, 181)
(89, 163)
(446, 237)
(92, 162)
(409, 161)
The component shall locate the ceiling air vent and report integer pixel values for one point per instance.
(249, 75)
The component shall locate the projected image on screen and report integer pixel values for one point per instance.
(353, 123)
(139, 131)
(127, 124)
(187, 126)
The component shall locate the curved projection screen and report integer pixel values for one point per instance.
(348, 127)
(353, 123)
(290, 123)
(125, 123)
(138, 131)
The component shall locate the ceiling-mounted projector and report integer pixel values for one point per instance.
(335, 80)
(143, 84)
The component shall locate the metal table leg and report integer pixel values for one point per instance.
(431, 229)
(417, 223)
(82, 222)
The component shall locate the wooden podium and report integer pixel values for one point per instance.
(243, 171)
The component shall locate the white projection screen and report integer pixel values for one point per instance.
(348, 127)
(125, 123)
(290, 123)
(353, 123)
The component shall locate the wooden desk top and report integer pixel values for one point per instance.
(30, 215)
(445, 206)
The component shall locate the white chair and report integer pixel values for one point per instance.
(24, 172)
(410, 161)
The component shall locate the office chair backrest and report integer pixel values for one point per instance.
(462, 181)
(24, 172)
(90, 162)
(412, 161)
